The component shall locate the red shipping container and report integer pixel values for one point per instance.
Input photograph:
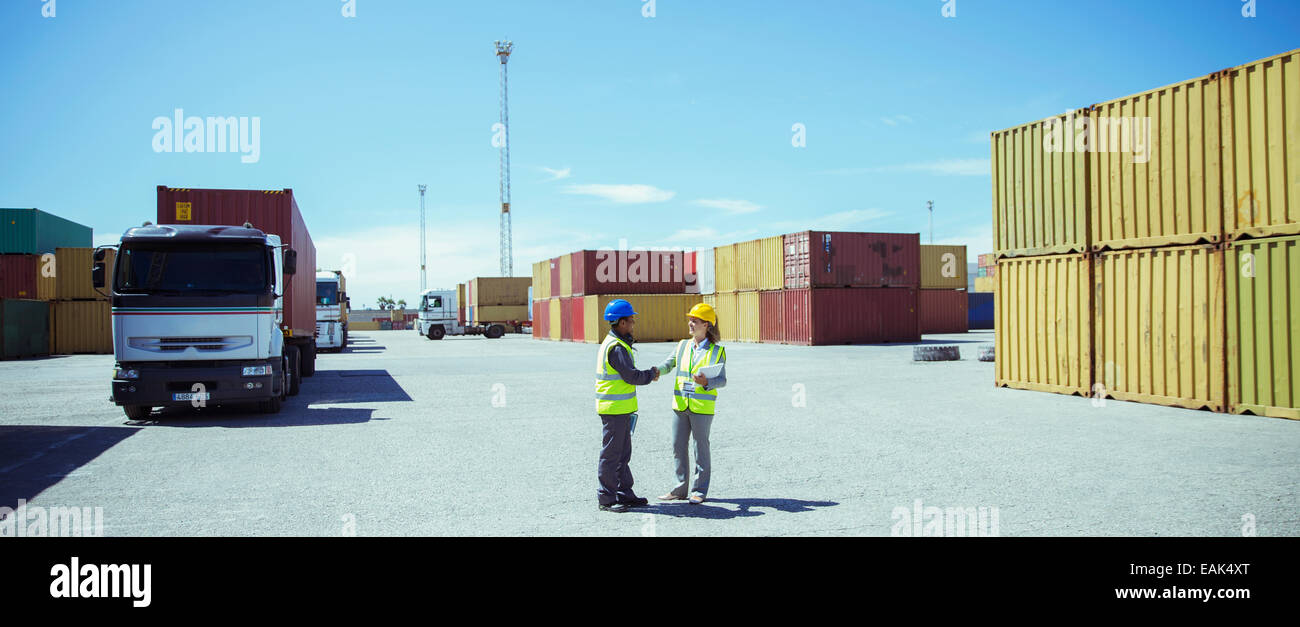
(942, 311)
(691, 268)
(541, 319)
(771, 320)
(834, 259)
(571, 311)
(597, 272)
(274, 212)
(555, 277)
(460, 316)
(850, 316)
(566, 319)
(18, 276)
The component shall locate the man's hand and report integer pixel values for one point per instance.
(701, 380)
(656, 375)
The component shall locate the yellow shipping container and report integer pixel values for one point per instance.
(724, 268)
(1043, 324)
(985, 284)
(1040, 198)
(1155, 178)
(542, 280)
(659, 317)
(73, 268)
(748, 316)
(1159, 326)
(773, 263)
(1264, 327)
(1261, 195)
(504, 313)
(943, 267)
(82, 326)
(363, 325)
(566, 276)
(553, 319)
(498, 291)
(726, 306)
(749, 264)
(460, 295)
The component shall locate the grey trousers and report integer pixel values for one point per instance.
(688, 426)
(612, 473)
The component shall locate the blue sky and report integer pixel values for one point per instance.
(666, 131)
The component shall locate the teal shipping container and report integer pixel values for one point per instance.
(24, 328)
(34, 232)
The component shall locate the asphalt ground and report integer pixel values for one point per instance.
(468, 436)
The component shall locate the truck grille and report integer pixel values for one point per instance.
(202, 344)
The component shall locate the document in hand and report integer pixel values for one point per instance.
(711, 372)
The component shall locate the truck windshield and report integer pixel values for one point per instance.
(242, 269)
(327, 293)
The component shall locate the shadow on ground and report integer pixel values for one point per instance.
(744, 508)
(248, 416)
(33, 458)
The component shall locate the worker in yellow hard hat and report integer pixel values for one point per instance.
(700, 364)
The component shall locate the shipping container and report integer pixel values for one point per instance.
(1043, 329)
(724, 268)
(749, 316)
(460, 316)
(826, 316)
(659, 318)
(692, 269)
(487, 314)
(542, 280)
(24, 328)
(980, 310)
(986, 284)
(575, 327)
(1040, 198)
(556, 283)
(35, 232)
(943, 267)
(942, 311)
(1159, 326)
(73, 271)
(629, 272)
(760, 264)
(499, 292)
(987, 260)
(1263, 321)
(32, 277)
(542, 318)
(566, 318)
(82, 326)
(460, 295)
(577, 272)
(772, 319)
(566, 276)
(706, 271)
(274, 212)
(830, 259)
(554, 320)
(726, 307)
(1261, 152)
(363, 325)
(1154, 166)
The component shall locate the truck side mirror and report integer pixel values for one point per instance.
(97, 272)
(290, 261)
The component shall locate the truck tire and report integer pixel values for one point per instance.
(307, 362)
(292, 378)
(136, 412)
(495, 331)
(436, 332)
(270, 406)
(344, 343)
(936, 353)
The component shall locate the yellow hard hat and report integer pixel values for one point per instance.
(704, 311)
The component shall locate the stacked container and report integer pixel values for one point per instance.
(497, 299)
(47, 259)
(941, 303)
(986, 273)
(572, 290)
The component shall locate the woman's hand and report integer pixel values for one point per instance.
(701, 380)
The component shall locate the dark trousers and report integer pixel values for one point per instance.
(615, 452)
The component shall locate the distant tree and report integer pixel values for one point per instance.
(401, 304)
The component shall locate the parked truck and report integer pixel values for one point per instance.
(331, 311)
(438, 317)
(208, 306)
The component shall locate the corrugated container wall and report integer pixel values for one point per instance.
(724, 268)
(1043, 330)
(556, 284)
(943, 267)
(566, 276)
(33, 232)
(577, 273)
(725, 306)
(28, 276)
(760, 264)
(630, 272)
(24, 328)
(942, 311)
(660, 317)
(1155, 167)
(826, 316)
(577, 318)
(707, 278)
(499, 291)
(542, 280)
(1159, 326)
(566, 318)
(272, 211)
(542, 319)
(832, 259)
(555, 320)
(460, 295)
(1264, 327)
(1261, 195)
(749, 316)
(484, 314)
(82, 326)
(74, 267)
(1040, 198)
(772, 319)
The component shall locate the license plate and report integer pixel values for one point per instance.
(191, 396)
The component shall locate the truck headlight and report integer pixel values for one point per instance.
(257, 371)
(126, 373)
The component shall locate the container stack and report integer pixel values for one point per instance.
(570, 293)
(942, 304)
(980, 299)
(748, 284)
(41, 259)
(496, 300)
(1160, 271)
(986, 273)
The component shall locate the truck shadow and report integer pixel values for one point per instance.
(744, 508)
(246, 417)
(352, 386)
(33, 458)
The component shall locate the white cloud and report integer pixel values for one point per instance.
(556, 175)
(896, 120)
(940, 167)
(839, 221)
(732, 207)
(623, 194)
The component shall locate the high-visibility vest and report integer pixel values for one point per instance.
(697, 401)
(613, 394)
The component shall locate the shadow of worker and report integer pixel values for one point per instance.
(713, 509)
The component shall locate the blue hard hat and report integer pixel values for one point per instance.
(618, 308)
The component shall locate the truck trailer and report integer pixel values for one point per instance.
(331, 311)
(438, 317)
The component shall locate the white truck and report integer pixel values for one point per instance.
(439, 317)
(331, 311)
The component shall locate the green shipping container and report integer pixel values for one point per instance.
(33, 232)
(1264, 327)
(24, 328)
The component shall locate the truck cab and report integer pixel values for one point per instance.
(437, 315)
(196, 317)
(331, 311)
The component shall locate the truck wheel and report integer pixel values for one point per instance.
(271, 406)
(344, 343)
(495, 331)
(136, 412)
(436, 332)
(307, 363)
(292, 378)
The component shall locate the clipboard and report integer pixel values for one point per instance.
(711, 372)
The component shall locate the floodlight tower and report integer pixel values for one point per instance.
(929, 204)
(422, 281)
(503, 49)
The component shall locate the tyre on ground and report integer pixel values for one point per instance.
(293, 379)
(936, 353)
(307, 361)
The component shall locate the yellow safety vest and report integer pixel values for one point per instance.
(613, 394)
(696, 401)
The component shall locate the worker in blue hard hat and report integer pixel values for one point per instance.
(616, 381)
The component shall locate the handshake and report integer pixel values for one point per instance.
(699, 379)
